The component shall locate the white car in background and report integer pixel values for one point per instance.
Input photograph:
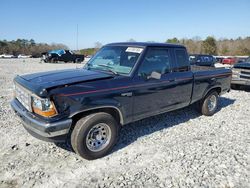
(6, 56)
(23, 56)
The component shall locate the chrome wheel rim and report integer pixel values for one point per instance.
(212, 103)
(98, 137)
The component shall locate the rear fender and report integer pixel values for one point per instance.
(213, 88)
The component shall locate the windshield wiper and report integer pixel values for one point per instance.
(108, 68)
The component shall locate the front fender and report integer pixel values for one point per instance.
(74, 106)
(102, 107)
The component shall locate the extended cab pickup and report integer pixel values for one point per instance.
(122, 83)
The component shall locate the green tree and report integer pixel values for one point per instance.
(224, 50)
(242, 50)
(173, 40)
(32, 42)
(28, 47)
(88, 51)
(209, 46)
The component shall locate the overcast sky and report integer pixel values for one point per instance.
(119, 20)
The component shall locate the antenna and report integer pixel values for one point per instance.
(77, 37)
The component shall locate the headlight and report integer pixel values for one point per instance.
(43, 107)
(236, 73)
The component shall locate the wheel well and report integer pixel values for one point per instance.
(112, 111)
(217, 89)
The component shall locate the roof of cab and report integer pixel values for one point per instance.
(146, 44)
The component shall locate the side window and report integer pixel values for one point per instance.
(156, 60)
(182, 60)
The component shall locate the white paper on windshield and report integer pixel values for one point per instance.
(134, 50)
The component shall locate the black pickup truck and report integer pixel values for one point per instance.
(66, 56)
(122, 83)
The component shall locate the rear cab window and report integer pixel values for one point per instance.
(182, 60)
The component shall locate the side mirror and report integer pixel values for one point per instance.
(155, 75)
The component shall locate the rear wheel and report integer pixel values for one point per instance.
(77, 60)
(209, 104)
(53, 60)
(94, 135)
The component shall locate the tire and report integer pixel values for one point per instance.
(86, 141)
(77, 60)
(209, 104)
(53, 60)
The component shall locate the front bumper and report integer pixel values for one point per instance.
(240, 82)
(48, 131)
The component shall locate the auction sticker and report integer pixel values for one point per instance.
(134, 50)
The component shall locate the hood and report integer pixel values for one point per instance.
(245, 65)
(39, 83)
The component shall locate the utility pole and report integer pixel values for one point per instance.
(77, 37)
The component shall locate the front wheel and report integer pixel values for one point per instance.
(77, 60)
(94, 135)
(209, 104)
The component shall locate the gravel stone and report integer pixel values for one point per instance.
(177, 149)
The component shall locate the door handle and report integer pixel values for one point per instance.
(129, 94)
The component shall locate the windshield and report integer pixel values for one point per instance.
(59, 52)
(115, 59)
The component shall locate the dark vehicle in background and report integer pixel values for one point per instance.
(219, 59)
(202, 60)
(242, 59)
(241, 74)
(66, 56)
(122, 83)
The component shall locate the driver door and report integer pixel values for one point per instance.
(153, 93)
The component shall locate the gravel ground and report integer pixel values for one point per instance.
(176, 149)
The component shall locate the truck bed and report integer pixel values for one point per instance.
(196, 68)
(208, 77)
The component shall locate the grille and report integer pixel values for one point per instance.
(23, 96)
(245, 77)
(245, 72)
